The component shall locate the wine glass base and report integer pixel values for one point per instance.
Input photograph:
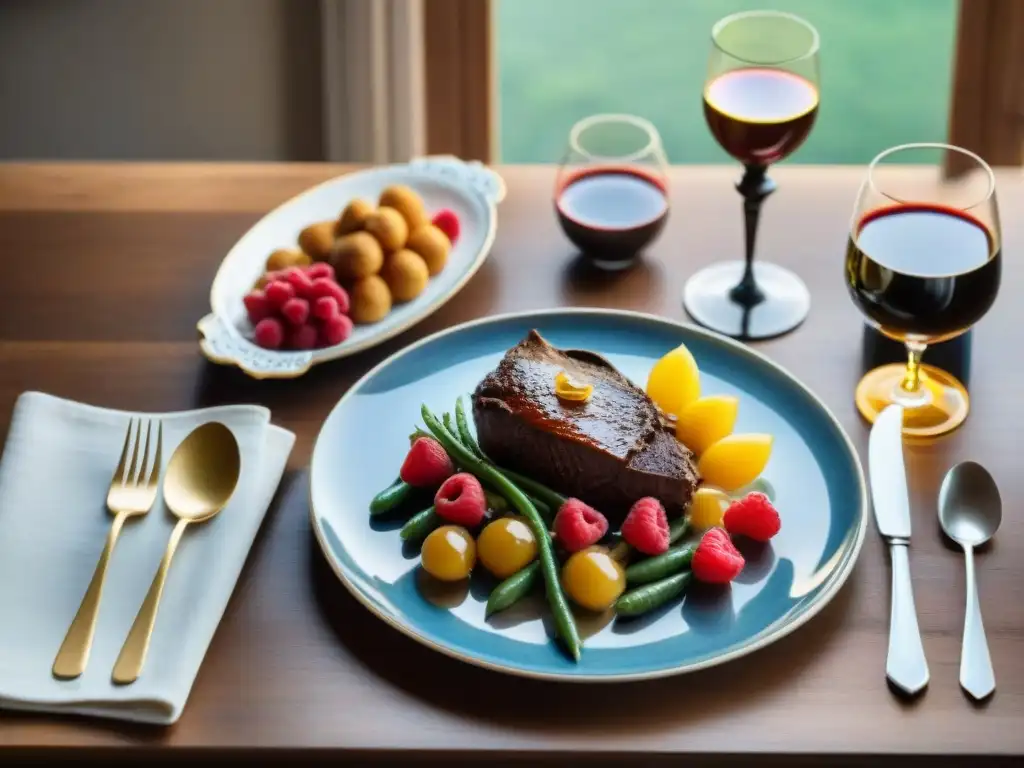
(944, 409)
(785, 304)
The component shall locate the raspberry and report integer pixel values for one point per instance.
(257, 306)
(447, 222)
(752, 516)
(322, 286)
(301, 282)
(646, 526)
(325, 308)
(278, 292)
(269, 333)
(426, 465)
(302, 337)
(295, 311)
(320, 269)
(578, 526)
(335, 330)
(716, 560)
(461, 500)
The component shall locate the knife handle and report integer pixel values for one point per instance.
(905, 666)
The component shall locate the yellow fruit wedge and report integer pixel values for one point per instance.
(736, 460)
(707, 507)
(706, 420)
(674, 381)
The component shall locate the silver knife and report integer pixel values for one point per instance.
(905, 665)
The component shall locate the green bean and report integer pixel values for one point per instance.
(539, 491)
(464, 434)
(496, 502)
(660, 566)
(650, 596)
(564, 621)
(391, 497)
(678, 528)
(420, 524)
(448, 423)
(513, 589)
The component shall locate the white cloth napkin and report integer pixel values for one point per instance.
(56, 468)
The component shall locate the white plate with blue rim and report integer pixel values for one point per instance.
(470, 189)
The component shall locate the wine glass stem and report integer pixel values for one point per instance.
(755, 186)
(909, 392)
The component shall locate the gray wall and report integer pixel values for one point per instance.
(160, 79)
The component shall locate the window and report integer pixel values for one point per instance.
(885, 72)
(513, 75)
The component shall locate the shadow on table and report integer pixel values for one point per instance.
(543, 705)
(637, 286)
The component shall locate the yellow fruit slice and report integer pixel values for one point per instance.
(707, 507)
(706, 420)
(674, 381)
(736, 460)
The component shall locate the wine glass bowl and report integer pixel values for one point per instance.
(760, 102)
(923, 265)
(611, 191)
(761, 95)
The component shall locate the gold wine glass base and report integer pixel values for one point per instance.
(945, 409)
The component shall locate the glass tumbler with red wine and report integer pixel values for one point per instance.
(760, 102)
(611, 193)
(923, 265)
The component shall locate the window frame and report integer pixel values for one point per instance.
(987, 105)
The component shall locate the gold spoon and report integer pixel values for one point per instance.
(200, 478)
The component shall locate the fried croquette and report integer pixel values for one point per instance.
(317, 239)
(371, 300)
(406, 274)
(388, 226)
(283, 258)
(432, 245)
(356, 255)
(353, 218)
(404, 200)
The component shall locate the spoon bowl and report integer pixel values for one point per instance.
(970, 508)
(202, 473)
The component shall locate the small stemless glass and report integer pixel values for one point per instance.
(611, 192)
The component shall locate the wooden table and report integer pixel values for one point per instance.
(106, 270)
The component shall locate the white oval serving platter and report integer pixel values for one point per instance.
(470, 189)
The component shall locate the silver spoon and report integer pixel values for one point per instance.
(970, 511)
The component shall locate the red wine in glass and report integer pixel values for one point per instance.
(611, 213)
(922, 271)
(760, 115)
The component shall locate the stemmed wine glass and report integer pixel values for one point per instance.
(923, 264)
(611, 193)
(760, 101)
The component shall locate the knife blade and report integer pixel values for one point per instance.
(905, 666)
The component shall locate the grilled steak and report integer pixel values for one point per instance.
(608, 451)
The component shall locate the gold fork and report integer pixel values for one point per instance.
(132, 492)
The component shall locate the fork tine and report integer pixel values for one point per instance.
(119, 472)
(130, 476)
(141, 477)
(155, 474)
